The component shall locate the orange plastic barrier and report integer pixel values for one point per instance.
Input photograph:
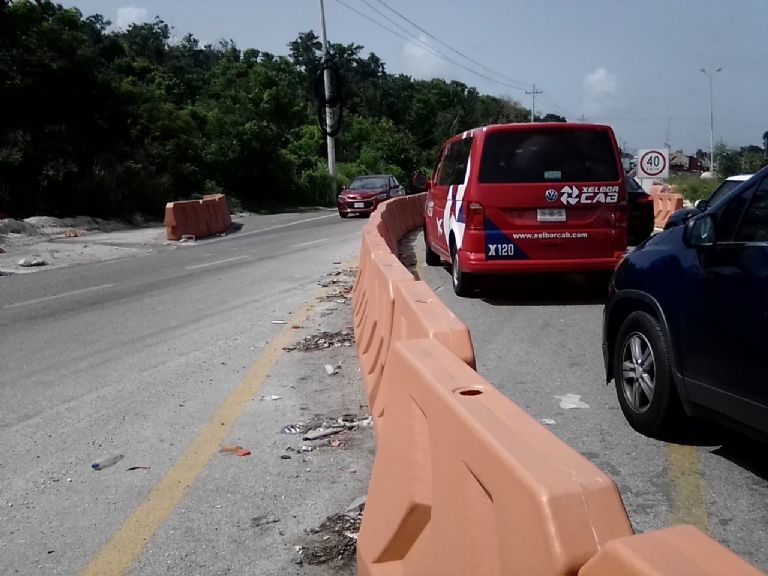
(680, 550)
(665, 201)
(374, 330)
(418, 313)
(197, 218)
(468, 483)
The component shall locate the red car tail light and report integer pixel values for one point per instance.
(645, 199)
(475, 216)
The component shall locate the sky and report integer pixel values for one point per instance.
(635, 65)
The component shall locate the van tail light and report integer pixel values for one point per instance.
(645, 199)
(475, 216)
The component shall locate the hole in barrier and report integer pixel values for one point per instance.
(470, 392)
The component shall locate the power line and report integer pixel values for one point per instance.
(428, 48)
(521, 84)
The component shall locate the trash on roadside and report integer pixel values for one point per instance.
(107, 462)
(187, 238)
(335, 444)
(243, 452)
(137, 468)
(285, 456)
(297, 428)
(322, 432)
(570, 401)
(330, 370)
(304, 448)
(322, 341)
(270, 398)
(548, 421)
(263, 520)
(32, 261)
(230, 448)
(72, 233)
(279, 322)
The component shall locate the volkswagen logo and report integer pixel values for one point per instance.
(551, 195)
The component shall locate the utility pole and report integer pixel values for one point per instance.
(330, 143)
(533, 99)
(711, 121)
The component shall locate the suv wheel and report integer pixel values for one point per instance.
(462, 282)
(643, 375)
(430, 256)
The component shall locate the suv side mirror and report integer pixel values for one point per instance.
(701, 205)
(700, 231)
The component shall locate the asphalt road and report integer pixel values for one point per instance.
(163, 359)
(539, 342)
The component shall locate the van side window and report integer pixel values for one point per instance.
(455, 161)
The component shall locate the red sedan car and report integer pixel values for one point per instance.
(365, 193)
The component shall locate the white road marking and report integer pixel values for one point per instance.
(62, 295)
(216, 263)
(309, 243)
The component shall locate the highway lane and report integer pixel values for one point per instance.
(539, 342)
(132, 357)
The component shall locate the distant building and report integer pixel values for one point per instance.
(682, 162)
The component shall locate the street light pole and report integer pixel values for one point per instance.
(711, 121)
(330, 143)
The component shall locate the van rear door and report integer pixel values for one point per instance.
(555, 191)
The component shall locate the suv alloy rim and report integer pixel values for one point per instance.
(638, 372)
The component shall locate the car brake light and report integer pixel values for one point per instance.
(475, 216)
(645, 199)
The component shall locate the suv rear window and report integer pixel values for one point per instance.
(536, 156)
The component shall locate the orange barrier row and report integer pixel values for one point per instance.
(197, 218)
(464, 481)
(665, 201)
(468, 483)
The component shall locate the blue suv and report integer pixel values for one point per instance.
(685, 328)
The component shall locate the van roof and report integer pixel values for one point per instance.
(515, 126)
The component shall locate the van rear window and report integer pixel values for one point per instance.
(536, 156)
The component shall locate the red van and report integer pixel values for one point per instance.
(526, 198)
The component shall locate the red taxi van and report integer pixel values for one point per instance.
(527, 198)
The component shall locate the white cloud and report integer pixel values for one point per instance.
(420, 62)
(601, 92)
(128, 15)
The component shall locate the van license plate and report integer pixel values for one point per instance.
(359, 205)
(550, 214)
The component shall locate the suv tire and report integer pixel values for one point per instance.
(643, 375)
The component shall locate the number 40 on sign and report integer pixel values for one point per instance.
(653, 163)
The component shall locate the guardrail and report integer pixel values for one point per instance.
(197, 218)
(464, 481)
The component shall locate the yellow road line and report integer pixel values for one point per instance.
(122, 550)
(687, 487)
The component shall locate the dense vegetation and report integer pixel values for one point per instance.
(113, 122)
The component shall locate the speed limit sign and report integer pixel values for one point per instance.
(653, 163)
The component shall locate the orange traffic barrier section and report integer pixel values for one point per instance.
(197, 218)
(374, 330)
(679, 551)
(665, 201)
(468, 483)
(372, 244)
(418, 313)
